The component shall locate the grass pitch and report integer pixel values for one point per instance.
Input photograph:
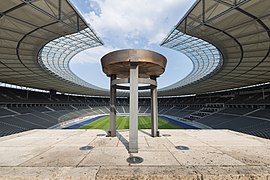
(122, 122)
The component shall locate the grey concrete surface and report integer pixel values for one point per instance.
(207, 154)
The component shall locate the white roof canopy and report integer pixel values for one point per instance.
(38, 38)
(238, 29)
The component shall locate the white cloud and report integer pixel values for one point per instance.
(126, 20)
(92, 56)
(130, 24)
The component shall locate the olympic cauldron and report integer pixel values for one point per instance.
(136, 67)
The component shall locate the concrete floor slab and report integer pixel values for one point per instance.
(57, 133)
(225, 137)
(156, 158)
(82, 173)
(185, 141)
(106, 156)
(21, 141)
(197, 155)
(76, 141)
(49, 141)
(17, 135)
(178, 132)
(14, 156)
(207, 154)
(148, 172)
(159, 143)
(92, 133)
(67, 156)
(105, 142)
(257, 155)
(153, 148)
(234, 172)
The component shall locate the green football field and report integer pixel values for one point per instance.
(122, 122)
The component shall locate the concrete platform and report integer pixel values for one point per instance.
(203, 154)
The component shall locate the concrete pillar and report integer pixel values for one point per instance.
(133, 105)
(154, 110)
(112, 108)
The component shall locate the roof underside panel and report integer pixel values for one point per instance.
(25, 29)
(240, 31)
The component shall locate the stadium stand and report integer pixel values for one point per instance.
(251, 115)
(261, 113)
(5, 112)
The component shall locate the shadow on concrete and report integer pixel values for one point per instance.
(145, 132)
(123, 140)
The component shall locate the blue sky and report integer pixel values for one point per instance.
(125, 24)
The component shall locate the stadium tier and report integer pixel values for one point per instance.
(219, 111)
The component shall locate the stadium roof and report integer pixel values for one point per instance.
(38, 38)
(239, 29)
(227, 41)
